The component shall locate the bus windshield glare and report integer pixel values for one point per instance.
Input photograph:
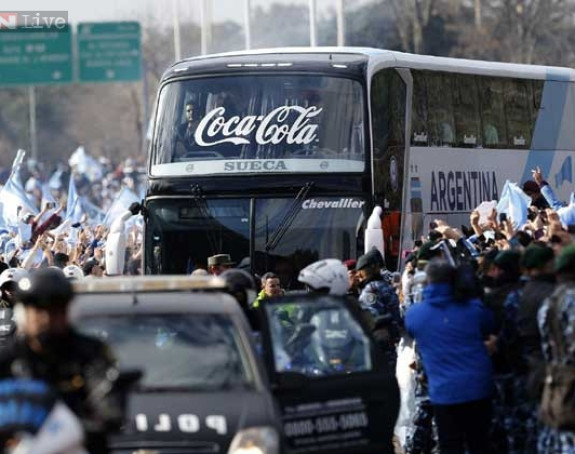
(259, 124)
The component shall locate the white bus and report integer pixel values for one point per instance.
(289, 150)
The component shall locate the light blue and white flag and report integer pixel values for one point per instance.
(94, 213)
(120, 205)
(55, 181)
(13, 196)
(86, 164)
(567, 213)
(73, 207)
(515, 203)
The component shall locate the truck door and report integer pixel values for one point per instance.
(335, 391)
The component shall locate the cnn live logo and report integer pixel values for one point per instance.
(8, 21)
(54, 20)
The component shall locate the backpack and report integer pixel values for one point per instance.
(558, 399)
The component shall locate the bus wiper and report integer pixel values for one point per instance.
(201, 203)
(289, 217)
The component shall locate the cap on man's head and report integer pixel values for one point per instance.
(350, 264)
(428, 251)
(536, 256)
(220, 260)
(12, 275)
(508, 261)
(565, 262)
(371, 258)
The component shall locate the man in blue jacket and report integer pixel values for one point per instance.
(450, 336)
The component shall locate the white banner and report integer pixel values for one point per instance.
(243, 166)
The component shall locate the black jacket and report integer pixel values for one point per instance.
(82, 372)
(534, 293)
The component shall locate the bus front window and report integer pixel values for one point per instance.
(320, 228)
(259, 124)
(182, 233)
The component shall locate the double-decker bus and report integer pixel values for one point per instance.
(278, 157)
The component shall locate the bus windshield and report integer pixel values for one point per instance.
(183, 233)
(259, 124)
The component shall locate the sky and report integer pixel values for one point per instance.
(159, 10)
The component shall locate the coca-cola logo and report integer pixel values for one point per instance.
(273, 128)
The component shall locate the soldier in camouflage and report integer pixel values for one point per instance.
(379, 297)
(551, 440)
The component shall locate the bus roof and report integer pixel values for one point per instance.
(380, 58)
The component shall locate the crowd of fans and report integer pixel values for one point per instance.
(64, 214)
(479, 322)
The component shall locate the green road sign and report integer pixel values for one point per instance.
(109, 51)
(35, 56)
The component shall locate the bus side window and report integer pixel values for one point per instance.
(440, 108)
(419, 129)
(388, 110)
(518, 107)
(466, 111)
(491, 92)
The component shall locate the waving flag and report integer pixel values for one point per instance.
(13, 196)
(55, 181)
(74, 207)
(514, 202)
(86, 164)
(95, 214)
(567, 213)
(47, 196)
(121, 204)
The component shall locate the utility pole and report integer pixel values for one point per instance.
(477, 14)
(247, 24)
(340, 23)
(176, 26)
(312, 32)
(206, 19)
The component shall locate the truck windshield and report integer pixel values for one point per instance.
(250, 124)
(180, 234)
(199, 352)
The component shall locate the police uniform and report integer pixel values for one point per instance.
(78, 368)
(380, 299)
(553, 441)
(81, 370)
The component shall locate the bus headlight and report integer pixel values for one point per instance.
(255, 440)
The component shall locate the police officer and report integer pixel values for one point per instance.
(80, 369)
(380, 298)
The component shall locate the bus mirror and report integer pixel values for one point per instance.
(374, 233)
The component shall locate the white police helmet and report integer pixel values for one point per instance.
(328, 275)
(12, 275)
(73, 272)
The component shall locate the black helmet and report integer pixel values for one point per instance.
(240, 283)
(44, 288)
(238, 279)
